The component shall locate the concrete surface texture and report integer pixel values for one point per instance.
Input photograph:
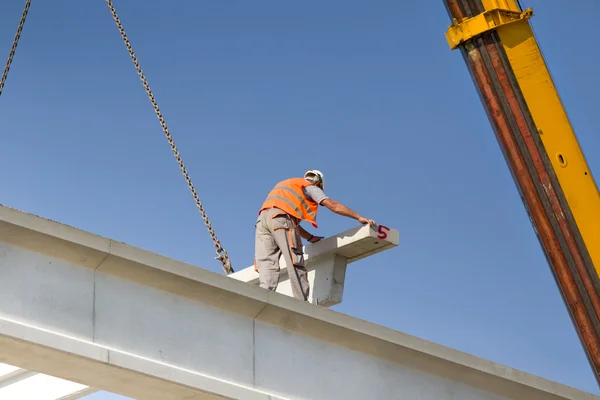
(104, 314)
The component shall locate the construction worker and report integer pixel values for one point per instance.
(278, 230)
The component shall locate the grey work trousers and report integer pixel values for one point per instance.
(276, 235)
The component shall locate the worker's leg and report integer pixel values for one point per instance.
(266, 253)
(290, 244)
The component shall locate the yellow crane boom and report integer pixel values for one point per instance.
(540, 148)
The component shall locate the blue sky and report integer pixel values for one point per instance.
(255, 92)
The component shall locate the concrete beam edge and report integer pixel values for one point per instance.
(82, 349)
(368, 332)
(269, 302)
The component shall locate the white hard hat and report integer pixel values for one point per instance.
(319, 174)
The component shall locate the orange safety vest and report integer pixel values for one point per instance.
(289, 197)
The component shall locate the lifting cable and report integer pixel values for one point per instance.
(221, 252)
(14, 45)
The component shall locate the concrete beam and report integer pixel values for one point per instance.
(107, 315)
(327, 259)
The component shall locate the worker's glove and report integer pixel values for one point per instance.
(314, 239)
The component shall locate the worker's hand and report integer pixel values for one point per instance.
(364, 220)
(315, 239)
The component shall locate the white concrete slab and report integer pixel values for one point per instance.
(117, 318)
(326, 262)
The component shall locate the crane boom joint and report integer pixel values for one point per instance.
(491, 19)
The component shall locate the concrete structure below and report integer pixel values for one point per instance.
(110, 316)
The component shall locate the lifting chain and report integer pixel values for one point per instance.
(14, 45)
(221, 252)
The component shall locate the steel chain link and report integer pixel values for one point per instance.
(14, 46)
(220, 251)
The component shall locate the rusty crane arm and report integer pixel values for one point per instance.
(540, 148)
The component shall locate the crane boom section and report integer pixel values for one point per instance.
(540, 148)
(556, 132)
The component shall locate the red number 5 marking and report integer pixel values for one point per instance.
(382, 232)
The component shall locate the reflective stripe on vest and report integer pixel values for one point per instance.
(300, 199)
(288, 197)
